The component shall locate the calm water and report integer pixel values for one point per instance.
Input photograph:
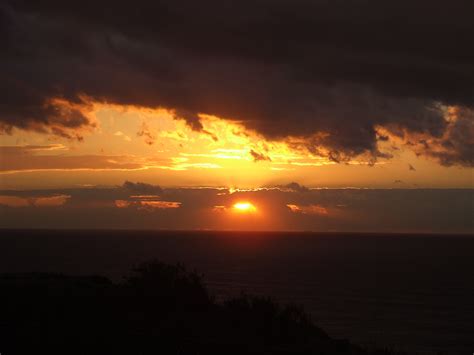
(403, 291)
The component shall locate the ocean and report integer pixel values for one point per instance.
(406, 292)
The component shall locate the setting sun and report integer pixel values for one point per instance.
(244, 207)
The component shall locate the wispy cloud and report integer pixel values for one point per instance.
(16, 159)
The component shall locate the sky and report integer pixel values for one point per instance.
(353, 115)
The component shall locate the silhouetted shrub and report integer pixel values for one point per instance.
(168, 285)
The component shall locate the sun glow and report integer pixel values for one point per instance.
(244, 207)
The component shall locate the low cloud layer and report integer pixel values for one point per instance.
(330, 72)
(31, 158)
(135, 205)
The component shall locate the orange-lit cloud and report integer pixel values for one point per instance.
(148, 204)
(14, 201)
(310, 209)
(122, 203)
(38, 201)
(51, 201)
(123, 135)
(219, 208)
(54, 116)
(453, 147)
(161, 204)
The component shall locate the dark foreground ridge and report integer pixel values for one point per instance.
(160, 309)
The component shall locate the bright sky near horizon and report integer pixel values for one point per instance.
(129, 143)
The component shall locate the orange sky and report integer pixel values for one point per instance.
(130, 143)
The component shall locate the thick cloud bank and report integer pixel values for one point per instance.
(332, 72)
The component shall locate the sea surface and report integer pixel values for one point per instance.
(407, 292)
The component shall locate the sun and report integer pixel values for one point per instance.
(245, 207)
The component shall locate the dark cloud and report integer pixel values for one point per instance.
(147, 134)
(295, 187)
(329, 71)
(142, 188)
(259, 156)
(457, 145)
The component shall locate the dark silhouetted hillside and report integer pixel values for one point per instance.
(160, 309)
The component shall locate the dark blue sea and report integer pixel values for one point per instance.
(407, 292)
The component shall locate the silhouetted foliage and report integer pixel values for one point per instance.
(159, 309)
(168, 286)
